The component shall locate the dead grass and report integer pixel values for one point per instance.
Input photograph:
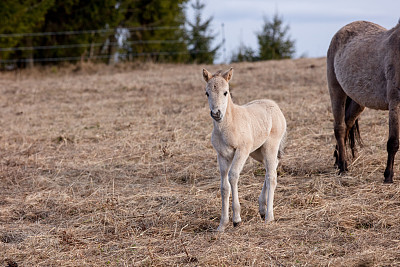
(113, 166)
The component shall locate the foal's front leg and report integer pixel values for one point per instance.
(238, 162)
(224, 165)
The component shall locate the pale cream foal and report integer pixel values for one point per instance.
(256, 129)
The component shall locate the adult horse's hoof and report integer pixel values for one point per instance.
(342, 166)
(388, 180)
(388, 177)
(236, 224)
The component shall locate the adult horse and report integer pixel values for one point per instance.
(363, 70)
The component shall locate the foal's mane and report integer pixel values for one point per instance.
(218, 73)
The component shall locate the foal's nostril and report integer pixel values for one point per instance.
(216, 116)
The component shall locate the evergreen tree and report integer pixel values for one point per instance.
(273, 40)
(78, 15)
(159, 28)
(244, 53)
(21, 17)
(160, 33)
(200, 37)
(32, 16)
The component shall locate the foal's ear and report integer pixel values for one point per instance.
(228, 75)
(206, 75)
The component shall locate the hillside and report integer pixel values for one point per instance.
(113, 166)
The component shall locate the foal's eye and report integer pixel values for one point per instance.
(207, 94)
(225, 93)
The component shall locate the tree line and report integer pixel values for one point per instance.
(274, 42)
(155, 30)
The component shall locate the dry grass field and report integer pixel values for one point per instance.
(113, 166)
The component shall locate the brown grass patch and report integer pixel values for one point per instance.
(113, 166)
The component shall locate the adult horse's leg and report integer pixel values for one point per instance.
(353, 111)
(338, 99)
(224, 165)
(238, 162)
(393, 142)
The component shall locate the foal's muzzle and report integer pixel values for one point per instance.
(217, 116)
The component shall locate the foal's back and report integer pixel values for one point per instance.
(265, 109)
(265, 118)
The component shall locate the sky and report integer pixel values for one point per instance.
(312, 22)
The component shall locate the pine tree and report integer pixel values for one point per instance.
(244, 53)
(160, 35)
(273, 40)
(200, 37)
(21, 17)
(78, 15)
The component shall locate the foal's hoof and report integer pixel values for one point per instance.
(236, 224)
(220, 229)
(269, 220)
(262, 216)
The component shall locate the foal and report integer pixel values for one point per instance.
(256, 129)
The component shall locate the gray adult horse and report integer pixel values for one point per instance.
(363, 70)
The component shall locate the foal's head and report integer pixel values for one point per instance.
(217, 91)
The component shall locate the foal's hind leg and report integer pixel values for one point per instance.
(266, 198)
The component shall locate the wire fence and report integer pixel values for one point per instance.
(58, 59)
(118, 46)
(25, 48)
(111, 30)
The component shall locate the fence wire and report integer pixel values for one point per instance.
(27, 48)
(126, 55)
(119, 56)
(31, 34)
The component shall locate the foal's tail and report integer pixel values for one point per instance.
(282, 145)
(354, 133)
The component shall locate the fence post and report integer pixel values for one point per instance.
(30, 55)
(111, 49)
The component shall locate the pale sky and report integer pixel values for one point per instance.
(312, 22)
